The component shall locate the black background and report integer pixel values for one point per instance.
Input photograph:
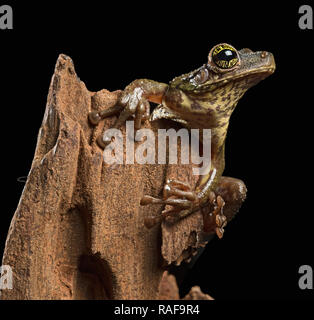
(270, 136)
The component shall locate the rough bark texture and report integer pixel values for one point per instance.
(78, 231)
(168, 290)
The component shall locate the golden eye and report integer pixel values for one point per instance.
(224, 56)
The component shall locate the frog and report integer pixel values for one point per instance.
(201, 99)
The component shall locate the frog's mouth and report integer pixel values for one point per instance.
(266, 71)
(249, 78)
(261, 73)
(253, 77)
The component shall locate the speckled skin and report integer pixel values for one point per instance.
(205, 99)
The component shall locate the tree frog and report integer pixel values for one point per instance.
(205, 99)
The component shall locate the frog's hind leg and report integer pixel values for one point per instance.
(233, 192)
(221, 206)
(177, 194)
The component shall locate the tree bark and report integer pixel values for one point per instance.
(78, 231)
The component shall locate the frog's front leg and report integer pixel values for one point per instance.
(134, 101)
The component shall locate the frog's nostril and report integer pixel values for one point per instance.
(264, 54)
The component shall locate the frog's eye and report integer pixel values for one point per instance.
(224, 56)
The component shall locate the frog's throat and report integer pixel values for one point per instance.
(162, 112)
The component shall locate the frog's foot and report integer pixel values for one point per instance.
(233, 191)
(177, 194)
(129, 104)
(215, 220)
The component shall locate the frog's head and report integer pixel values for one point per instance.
(225, 66)
(212, 91)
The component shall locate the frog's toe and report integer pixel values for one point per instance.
(151, 221)
(100, 141)
(142, 113)
(179, 196)
(215, 221)
(180, 203)
(96, 116)
(178, 189)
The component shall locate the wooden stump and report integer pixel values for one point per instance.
(78, 231)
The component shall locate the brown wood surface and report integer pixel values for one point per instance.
(78, 231)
